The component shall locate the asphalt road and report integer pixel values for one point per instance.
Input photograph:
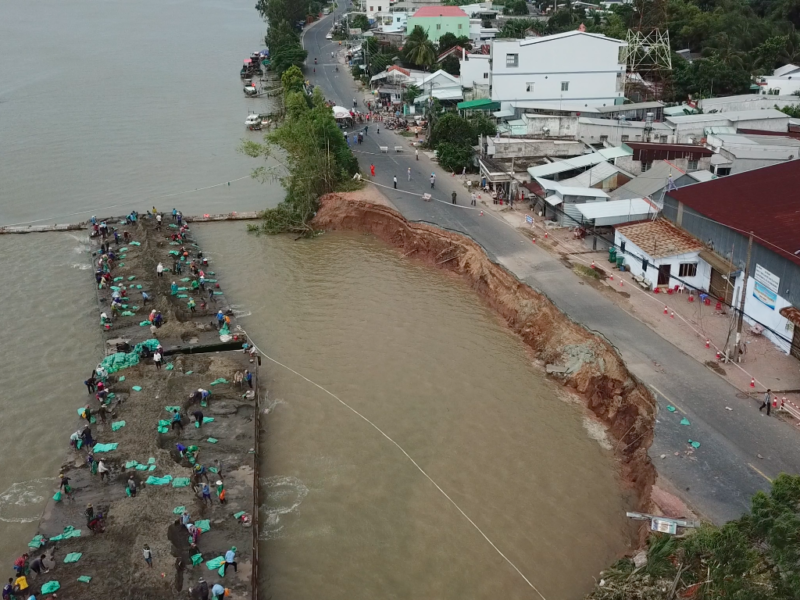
(721, 475)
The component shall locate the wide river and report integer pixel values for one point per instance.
(108, 105)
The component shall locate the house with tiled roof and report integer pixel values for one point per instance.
(438, 20)
(759, 209)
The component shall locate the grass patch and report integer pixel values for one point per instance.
(586, 272)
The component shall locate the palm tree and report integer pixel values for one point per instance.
(419, 49)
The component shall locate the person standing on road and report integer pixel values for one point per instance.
(433, 180)
(230, 560)
(416, 154)
(372, 170)
(454, 197)
(366, 129)
(394, 180)
(409, 173)
(767, 402)
(474, 199)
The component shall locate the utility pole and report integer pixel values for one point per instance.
(743, 295)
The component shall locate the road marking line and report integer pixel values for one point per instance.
(657, 391)
(759, 472)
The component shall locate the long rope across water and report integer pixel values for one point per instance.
(406, 454)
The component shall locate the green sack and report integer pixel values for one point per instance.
(138, 286)
(239, 514)
(153, 480)
(218, 381)
(141, 467)
(131, 464)
(212, 440)
(197, 559)
(183, 295)
(137, 388)
(221, 571)
(203, 525)
(213, 469)
(50, 587)
(151, 461)
(181, 482)
(36, 542)
(185, 279)
(57, 496)
(144, 323)
(162, 429)
(73, 557)
(152, 468)
(171, 409)
(132, 277)
(105, 447)
(188, 372)
(169, 367)
(215, 563)
(117, 425)
(178, 510)
(128, 492)
(118, 279)
(84, 579)
(218, 293)
(136, 244)
(127, 313)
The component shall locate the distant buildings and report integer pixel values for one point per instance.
(784, 81)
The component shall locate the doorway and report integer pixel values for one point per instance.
(663, 274)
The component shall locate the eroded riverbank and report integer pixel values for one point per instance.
(581, 359)
(345, 514)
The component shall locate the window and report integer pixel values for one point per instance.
(646, 166)
(459, 25)
(692, 165)
(565, 86)
(486, 76)
(371, 9)
(438, 26)
(663, 139)
(529, 87)
(625, 138)
(687, 269)
(512, 60)
(603, 138)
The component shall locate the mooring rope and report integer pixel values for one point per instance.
(399, 447)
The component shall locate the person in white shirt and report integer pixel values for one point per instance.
(157, 359)
(160, 270)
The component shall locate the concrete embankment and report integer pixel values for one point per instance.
(579, 358)
(139, 441)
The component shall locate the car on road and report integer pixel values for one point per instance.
(329, 36)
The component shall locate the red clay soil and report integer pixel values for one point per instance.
(583, 360)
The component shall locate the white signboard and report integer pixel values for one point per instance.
(529, 219)
(766, 287)
(769, 280)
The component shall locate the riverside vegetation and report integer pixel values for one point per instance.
(756, 557)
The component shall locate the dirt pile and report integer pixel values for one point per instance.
(581, 359)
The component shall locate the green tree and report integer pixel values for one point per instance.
(515, 7)
(285, 48)
(419, 49)
(448, 40)
(519, 28)
(454, 157)
(359, 22)
(706, 77)
(451, 65)
(483, 125)
(317, 161)
(453, 129)
(292, 80)
(411, 93)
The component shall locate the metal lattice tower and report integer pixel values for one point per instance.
(648, 61)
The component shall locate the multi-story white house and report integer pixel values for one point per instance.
(575, 69)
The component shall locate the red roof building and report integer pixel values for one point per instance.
(440, 11)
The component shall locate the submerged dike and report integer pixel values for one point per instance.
(140, 442)
(581, 359)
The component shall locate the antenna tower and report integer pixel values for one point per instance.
(648, 57)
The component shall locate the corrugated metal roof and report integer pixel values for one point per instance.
(733, 116)
(634, 106)
(571, 191)
(649, 182)
(584, 160)
(635, 207)
(566, 34)
(660, 238)
(595, 175)
(730, 201)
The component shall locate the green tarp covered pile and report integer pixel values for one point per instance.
(123, 360)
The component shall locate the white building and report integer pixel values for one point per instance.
(747, 152)
(565, 201)
(658, 251)
(745, 102)
(480, 35)
(784, 81)
(575, 68)
(475, 70)
(690, 129)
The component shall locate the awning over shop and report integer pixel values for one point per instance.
(553, 200)
(481, 104)
(502, 114)
(717, 263)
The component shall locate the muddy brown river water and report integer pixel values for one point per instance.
(347, 514)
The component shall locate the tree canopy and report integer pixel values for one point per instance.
(755, 557)
(419, 49)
